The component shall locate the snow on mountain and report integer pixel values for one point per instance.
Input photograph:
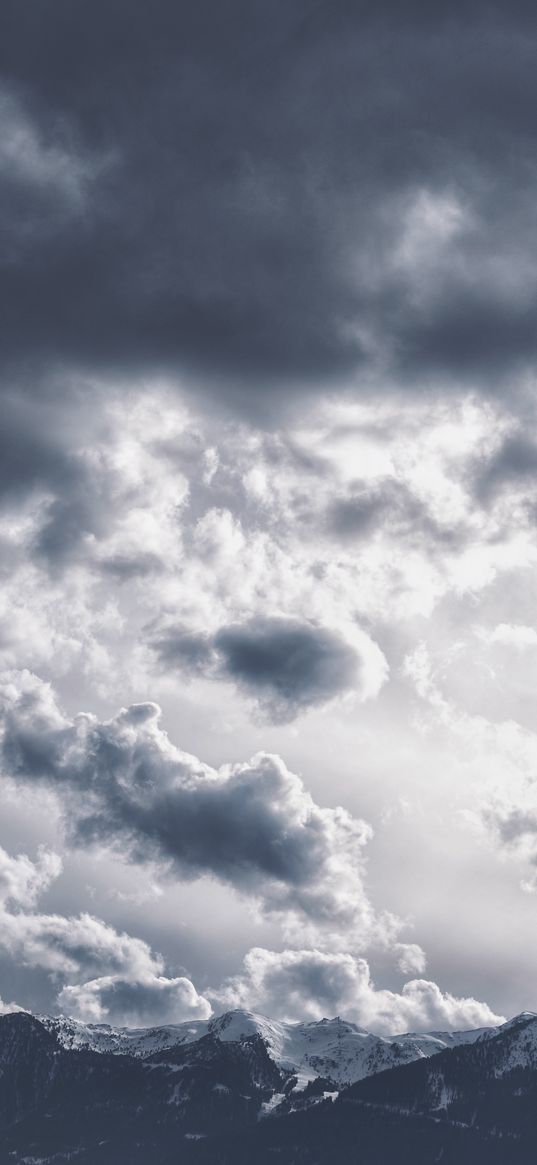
(121, 1041)
(430, 1042)
(334, 1049)
(522, 1017)
(518, 1049)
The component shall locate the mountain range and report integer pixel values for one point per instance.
(241, 1087)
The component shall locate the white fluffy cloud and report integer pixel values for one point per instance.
(9, 1008)
(79, 945)
(292, 984)
(22, 881)
(515, 635)
(147, 1001)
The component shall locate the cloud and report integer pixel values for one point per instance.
(22, 881)
(35, 161)
(287, 664)
(290, 664)
(516, 823)
(512, 464)
(309, 213)
(411, 958)
(388, 505)
(9, 1008)
(48, 475)
(134, 988)
(46, 178)
(191, 651)
(80, 945)
(515, 635)
(116, 975)
(33, 447)
(294, 984)
(252, 825)
(145, 1002)
(514, 826)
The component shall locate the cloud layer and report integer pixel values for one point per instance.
(273, 197)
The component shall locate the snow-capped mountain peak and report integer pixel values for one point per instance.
(335, 1049)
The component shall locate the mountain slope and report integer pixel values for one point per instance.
(55, 1102)
(491, 1084)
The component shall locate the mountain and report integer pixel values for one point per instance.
(467, 1085)
(335, 1049)
(242, 1087)
(57, 1103)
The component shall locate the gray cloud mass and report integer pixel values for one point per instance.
(235, 181)
(289, 665)
(252, 825)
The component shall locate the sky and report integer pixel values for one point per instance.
(268, 510)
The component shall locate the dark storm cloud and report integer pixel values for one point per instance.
(36, 459)
(287, 665)
(222, 188)
(253, 825)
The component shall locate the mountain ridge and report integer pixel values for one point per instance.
(222, 1097)
(336, 1049)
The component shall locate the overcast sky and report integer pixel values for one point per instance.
(268, 502)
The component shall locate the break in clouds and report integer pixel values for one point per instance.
(268, 463)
